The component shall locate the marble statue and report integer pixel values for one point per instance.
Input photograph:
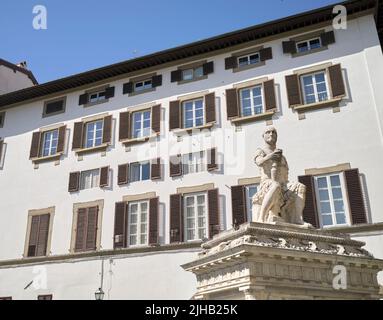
(277, 200)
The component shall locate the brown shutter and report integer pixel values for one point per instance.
(74, 181)
(174, 115)
(124, 131)
(269, 92)
(1, 148)
(176, 216)
(293, 90)
(42, 240)
(81, 229)
(127, 88)
(157, 81)
(231, 63)
(91, 232)
(327, 38)
(77, 135)
(266, 54)
(238, 205)
(104, 177)
(35, 146)
(336, 79)
(153, 220)
(175, 165)
(355, 197)
(109, 92)
(83, 99)
(176, 76)
(107, 130)
(213, 201)
(33, 236)
(210, 107)
(310, 212)
(61, 139)
(120, 225)
(155, 170)
(212, 159)
(232, 103)
(156, 118)
(208, 68)
(123, 174)
(289, 47)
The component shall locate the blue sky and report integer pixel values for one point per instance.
(87, 34)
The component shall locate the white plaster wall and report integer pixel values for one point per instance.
(12, 81)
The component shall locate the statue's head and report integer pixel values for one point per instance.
(270, 135)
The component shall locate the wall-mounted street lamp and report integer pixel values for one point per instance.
(99, 294)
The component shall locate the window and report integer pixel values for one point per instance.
(193, 162)
(44, 297)
(97, 96)
(94, 133)
(192, 74)
(54, 107)
(315, 87)
(138, 223)
(50, 139)
(143, 85)
(139, 171)
(86, 232)
(193, 113)
(2, 117)
(308, 45)
(38, 235)
(250, 190)
(331, 204)
(5, 298)
(141, 124)
(89, 179)
(195, 218)
(251, 101)
(248, 59)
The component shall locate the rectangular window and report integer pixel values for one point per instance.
(141, 124)
(45, 297)
(192, 74)
(139, 171)
(251, 101)
(2, 117)
(250, 190)
(49, 146)
(195, 217)
(54, 107)
(138, 223)
(314, 87)
(5, 298)
(97, 96)
(143, 85)
(93, 132)
(193, 113)
(248, 59)
(193, 162)
(308, 45)
(89, 179)
(38, 235)
(331, 204)
(86, 229)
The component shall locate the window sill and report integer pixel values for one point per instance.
(318, 105)
(183, 131)
(253, 118)
(357, 228)
(91, 104)
(138, 140)
(192, 80)
(305, 53)
(47, 158)
(136, 93)
(249, 66)
(101, 147)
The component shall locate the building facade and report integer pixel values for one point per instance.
(114, 177)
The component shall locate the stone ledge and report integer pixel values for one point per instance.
(358, 228)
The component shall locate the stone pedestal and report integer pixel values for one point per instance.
(284, 261)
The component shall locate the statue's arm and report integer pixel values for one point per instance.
(260, 157)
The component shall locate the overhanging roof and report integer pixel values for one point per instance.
(14, 67)
(193, 49)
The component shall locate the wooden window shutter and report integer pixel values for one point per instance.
(231, 63)
(232, 103)
(266, 54)
(35, 145)
(61, 139)
(77, 135)
(107, 130)
(176, 218)
(33, 236)
(327, 38)
(210, 107)
(91, 232)
(42, 241)
(74, 181)
(83, 99)
(155, 170)
(293, 90)
(109, 92)
(176, 76)
(175, 163)
(310, 211)
(127, 87)
(120, 225)
(212, 159)
(208, 68)
(124, 130)
(81, 229)
(123, 174)
(269, 92)
(213, 203)
(153, 220)
(289, 47)
(336, 80)
(157, 81)
(174, 115)
(238, 205)
(156, 118)
(104, 177)
(355, 197)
